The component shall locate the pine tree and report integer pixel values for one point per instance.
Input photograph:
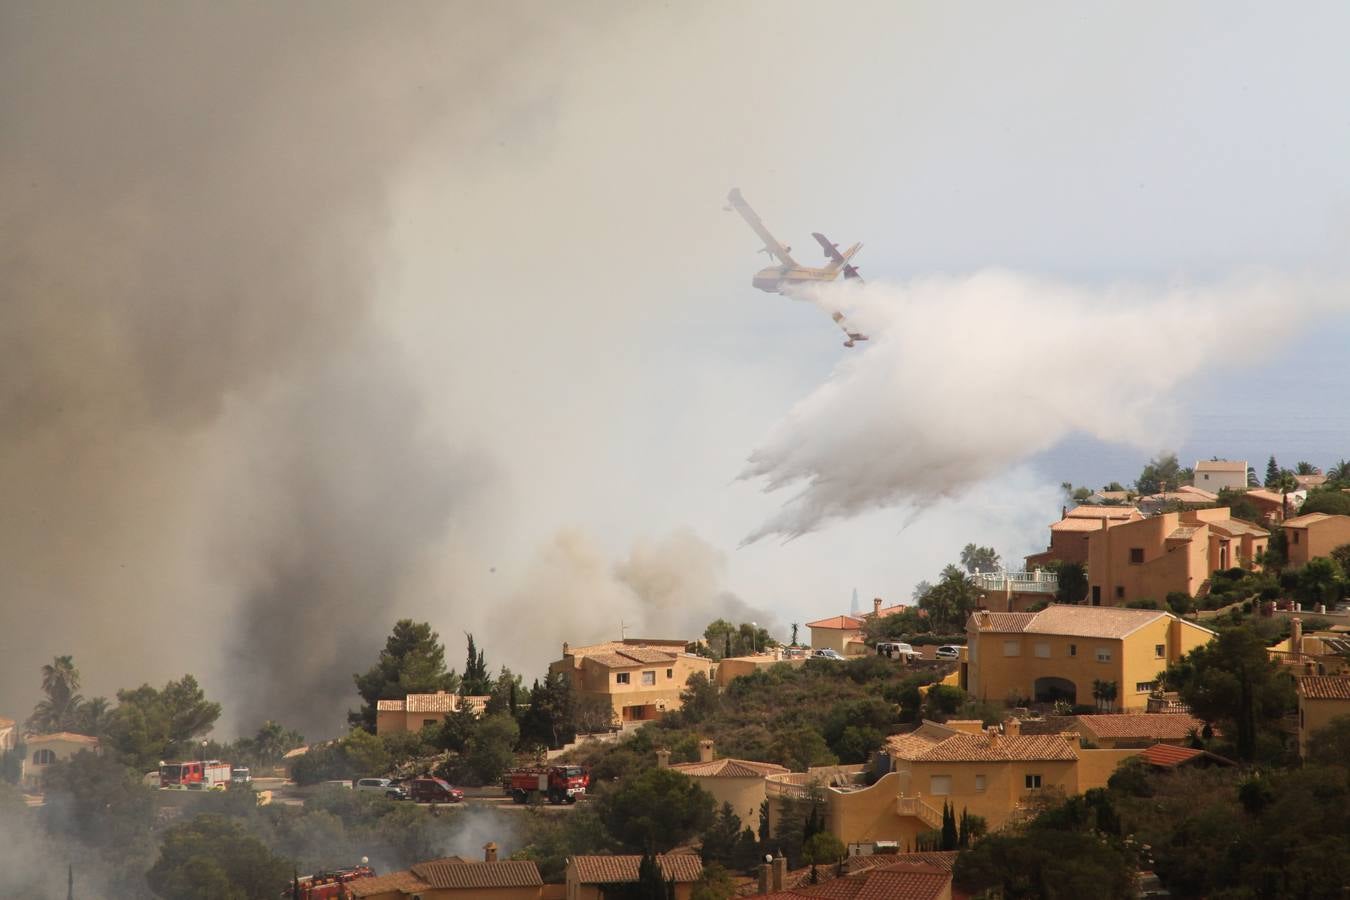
(1272, 472)
(476, 682)
(651, 882)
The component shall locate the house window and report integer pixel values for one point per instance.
(1042, 650)
(1096, 595)
(670, 673)
(1012, 648)
(1160, 650)
(620, 677)
(44, 757)
(940, 785)
(1103, 654)
(1143, 687)
(1295, 534)
(649, 678)
(1120, 592)
(426, 722)
(1033, 782)
(1073, 649)
(1207, 476)
(979, 784)
(1136, 555)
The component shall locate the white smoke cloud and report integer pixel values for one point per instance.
(966, 376)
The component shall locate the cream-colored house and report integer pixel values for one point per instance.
(1150, 558)
(740, 782)
(641, 679)
(1313, 535)
(416, 711)
(1060, 652)
(844, 634)
(588, 876)
(41, 750)
(1321, 698)
(995, 773)
(733, 667)
(8, 734)
(1217, 474)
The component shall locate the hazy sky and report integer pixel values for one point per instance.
(482, 348)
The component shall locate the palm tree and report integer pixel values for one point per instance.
(794, 634)
(1340, 471)
(60, 681)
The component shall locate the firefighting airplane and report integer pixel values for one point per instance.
(783, 278)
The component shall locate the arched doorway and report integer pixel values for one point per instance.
(1052, 690)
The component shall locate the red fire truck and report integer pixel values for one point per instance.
(327, 885)
(197, 775)
(560, 784)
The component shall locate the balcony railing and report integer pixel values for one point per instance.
(1038, 581)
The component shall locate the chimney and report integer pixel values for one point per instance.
(765, 876)
(566, 648)
(1012, 727)
(489, 852)
(993, 737)
(876, 606)
(1296, 636)
(779, 872)
(663, 759)
(705, 750)
(1063, 512)
(985, 620)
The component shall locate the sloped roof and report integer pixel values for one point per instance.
(963, 747)
(1305, 521)
(1141, 726)
(406, 882)
(1238, 527)
(1092, 511)
(389, 706)
(1113, 622)
(683, 867)
(840, 622)
(448, 873)
(1169, 756)
(647, 654)
(61, 736)
(6, 723)
(1209, 496)
(1265, 494)
(1307, 481)
(897, 881)
(1324, 687)
(441, 702)
(1222, 465)
(938, 859)
(1184, 532)
(1078, 524)
(726, 767)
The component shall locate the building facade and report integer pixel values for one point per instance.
(640, 679)
(1062, 652)
(42, 750)
(1069, 536)
(416, 711)
(1314, 535)
(740, 782)
(1321, 698)
(1217, 474)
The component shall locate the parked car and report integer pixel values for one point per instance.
(896, 650)
(825, 653)
(381, 786)
(241, 774)
(427, 789)
(948, 651)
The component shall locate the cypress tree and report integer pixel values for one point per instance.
(949, 837)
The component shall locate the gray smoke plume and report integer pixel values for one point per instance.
(209, 444)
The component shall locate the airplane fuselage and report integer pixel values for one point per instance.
(775, 279)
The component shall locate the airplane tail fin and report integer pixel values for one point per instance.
(838, 260)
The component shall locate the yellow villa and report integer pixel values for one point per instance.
(996, 774)
(1321, 698)
(641, 679)
(416, 711)
(1314, 535)
(740, 782)
(1060, 652)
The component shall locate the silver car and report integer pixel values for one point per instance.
(948, 651)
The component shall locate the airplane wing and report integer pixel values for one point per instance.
(838, 259)
(771, 245)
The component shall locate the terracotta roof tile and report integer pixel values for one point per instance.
(979, 748)
(405, 882)
(432, 702)
(62, 736)
(445, 873)
(1324, 687)
(647, 654)
(1141, 726)
(1091, 511)
(729, 768)
(938, 859)
(1305, 521)
(1076, 621)
(1222, 465)
(897, 881)
(840, 622)
(389, 706)
(1236, 527)
(683, 867)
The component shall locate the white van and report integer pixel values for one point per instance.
(896, 650)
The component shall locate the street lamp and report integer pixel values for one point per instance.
(754, 636)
